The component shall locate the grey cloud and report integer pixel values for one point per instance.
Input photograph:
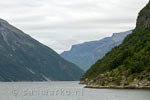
(62, 23)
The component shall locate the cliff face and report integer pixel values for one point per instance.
(127, 65)
(22, 58)
(86, 54)
(143, 21)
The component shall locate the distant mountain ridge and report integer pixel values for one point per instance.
(23, 58)
(86, 54)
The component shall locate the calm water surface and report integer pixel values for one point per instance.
(65, 91)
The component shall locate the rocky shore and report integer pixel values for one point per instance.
(108, 82)
(116, 87)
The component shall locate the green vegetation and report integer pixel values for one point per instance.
(130, 58)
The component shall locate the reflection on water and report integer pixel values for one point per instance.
(65, 91)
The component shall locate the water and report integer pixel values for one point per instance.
(65, 91)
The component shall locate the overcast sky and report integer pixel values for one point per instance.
(61, 23)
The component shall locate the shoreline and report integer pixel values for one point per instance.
(115, 87)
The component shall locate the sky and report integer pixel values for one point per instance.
(60, 24)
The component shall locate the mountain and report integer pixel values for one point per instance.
(127, 65)
(86, 54)
(23, 58)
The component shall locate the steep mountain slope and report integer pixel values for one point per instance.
(24, 59)
(86, 54)
(127, 65)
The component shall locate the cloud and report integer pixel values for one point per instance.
(61, 23)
